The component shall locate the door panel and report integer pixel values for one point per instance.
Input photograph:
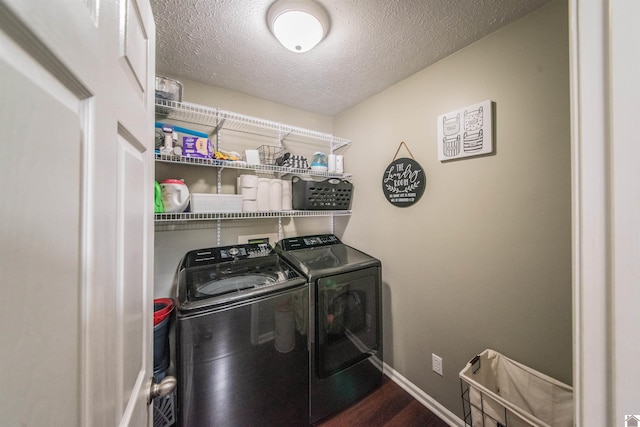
(130, 244)
(77, 221)
(40, 254)
(135, 39)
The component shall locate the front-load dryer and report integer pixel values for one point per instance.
(345, 320)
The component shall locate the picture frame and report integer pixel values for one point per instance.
(466, 132)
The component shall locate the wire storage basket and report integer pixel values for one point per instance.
(499, 392)
(164, 411)
(269, 153)
(330, 194)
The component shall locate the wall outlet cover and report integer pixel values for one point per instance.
(436, 364)
(273, 238)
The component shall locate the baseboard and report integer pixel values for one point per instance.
(422, 397)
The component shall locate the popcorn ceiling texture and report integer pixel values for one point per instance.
(371, 45)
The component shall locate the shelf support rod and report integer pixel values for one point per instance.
(280, 234)
(218, 231)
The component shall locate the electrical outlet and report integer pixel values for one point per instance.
(436, 364)
(273, 238)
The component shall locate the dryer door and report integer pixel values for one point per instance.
(347, 319)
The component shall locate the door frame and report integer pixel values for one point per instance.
(604, 66)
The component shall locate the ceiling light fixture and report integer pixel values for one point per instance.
(298, 24)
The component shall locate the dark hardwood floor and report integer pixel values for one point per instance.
(388, 406)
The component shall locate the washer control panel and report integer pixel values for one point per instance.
(226, 253)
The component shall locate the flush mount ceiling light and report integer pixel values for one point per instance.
(298, 24)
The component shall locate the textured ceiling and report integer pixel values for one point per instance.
(371, 45)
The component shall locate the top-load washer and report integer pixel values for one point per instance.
(345, 319)
(241, 336)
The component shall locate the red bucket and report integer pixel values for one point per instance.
(162, 307)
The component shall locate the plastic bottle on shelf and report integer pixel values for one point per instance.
(331, 163)
(319, 162)
(175, 195)
(339, 163)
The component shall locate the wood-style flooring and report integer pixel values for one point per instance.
(387, 406)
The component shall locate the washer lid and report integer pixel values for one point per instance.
(326, 260)
(213, 285)
(234, 284)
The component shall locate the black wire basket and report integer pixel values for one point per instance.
(269, 154)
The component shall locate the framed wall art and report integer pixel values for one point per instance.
(466, 132)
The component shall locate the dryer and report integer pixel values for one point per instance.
(345, 320)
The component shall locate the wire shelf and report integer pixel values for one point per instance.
(242, 165)
(190, 216)
(212, 120)
(200, 118)
(215, 121)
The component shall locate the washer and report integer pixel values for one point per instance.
(345, 321)
(241, 338)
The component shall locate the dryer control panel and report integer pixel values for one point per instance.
(305, 242)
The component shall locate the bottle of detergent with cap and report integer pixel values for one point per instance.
(175, 195)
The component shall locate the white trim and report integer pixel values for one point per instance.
(429, 402)
(623, 94)
(590, 217)
(604, 69)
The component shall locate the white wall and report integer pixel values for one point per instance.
(483, 260)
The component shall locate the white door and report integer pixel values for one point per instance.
(76, 215)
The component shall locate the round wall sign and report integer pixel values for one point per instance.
(403, 182)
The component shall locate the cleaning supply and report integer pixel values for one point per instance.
(158, 207)
(175, 195)
(167, 148)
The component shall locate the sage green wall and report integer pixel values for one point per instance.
(483, 260)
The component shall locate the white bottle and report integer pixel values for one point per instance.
(331, 162)
(339, 163)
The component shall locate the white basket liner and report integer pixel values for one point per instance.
(530, 397)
